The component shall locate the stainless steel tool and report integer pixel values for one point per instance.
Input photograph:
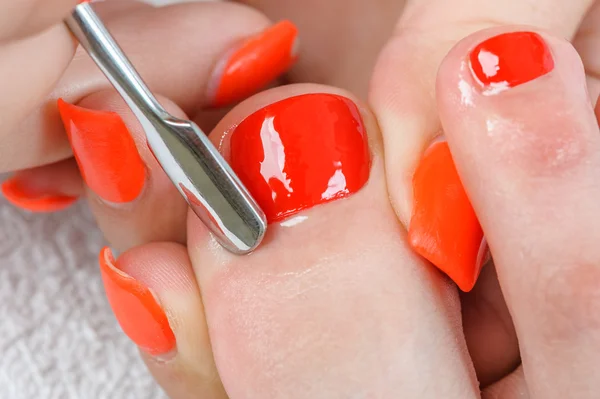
(193, 164)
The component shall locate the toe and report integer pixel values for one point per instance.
(334, 303)
(525, 140)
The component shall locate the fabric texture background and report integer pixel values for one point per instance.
(58, 336)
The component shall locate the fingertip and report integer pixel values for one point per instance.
(181, 359)
(47, 188)
(132, 198)
(18, 195)
(162, 266)
(136, 308)
(105, 151)
(250, 66)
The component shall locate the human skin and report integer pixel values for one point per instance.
(295, 314)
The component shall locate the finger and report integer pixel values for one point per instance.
(45, 189)
(334, 303)
(347, 57)
(532, 174)
(586, 42)
(127, 188)
(25, 17)
(25, 85)
(132, 198)
(155, 298)
(425, 189)
(189, 82)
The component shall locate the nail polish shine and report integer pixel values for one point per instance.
(301, 152)
(510, 59)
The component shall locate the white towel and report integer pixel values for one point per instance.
(58, 337)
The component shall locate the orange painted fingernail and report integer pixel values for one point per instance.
(24, 196)
(105, 152)
(258, 61)
(140, 315)
(444, 228)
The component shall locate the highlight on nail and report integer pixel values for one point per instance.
(22, 195)
(444, 228)
(301, 152)
(510, 59)
(136, 308)
(105, 151)
(254, 63)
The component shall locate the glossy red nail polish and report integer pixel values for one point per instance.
(444, 228)
(105, 152)
(511, 59)
(301, 152)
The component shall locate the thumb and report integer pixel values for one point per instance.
(154, 296)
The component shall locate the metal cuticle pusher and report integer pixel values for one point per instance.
(193, 164)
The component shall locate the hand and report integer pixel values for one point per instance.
(191, 77)
(34, 52)
(236, 62)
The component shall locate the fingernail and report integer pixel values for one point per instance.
(509, 60)
(258, 61)
(105, 152)
(301, 152)
(140, 315)
(444, 228)
(26, 196)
